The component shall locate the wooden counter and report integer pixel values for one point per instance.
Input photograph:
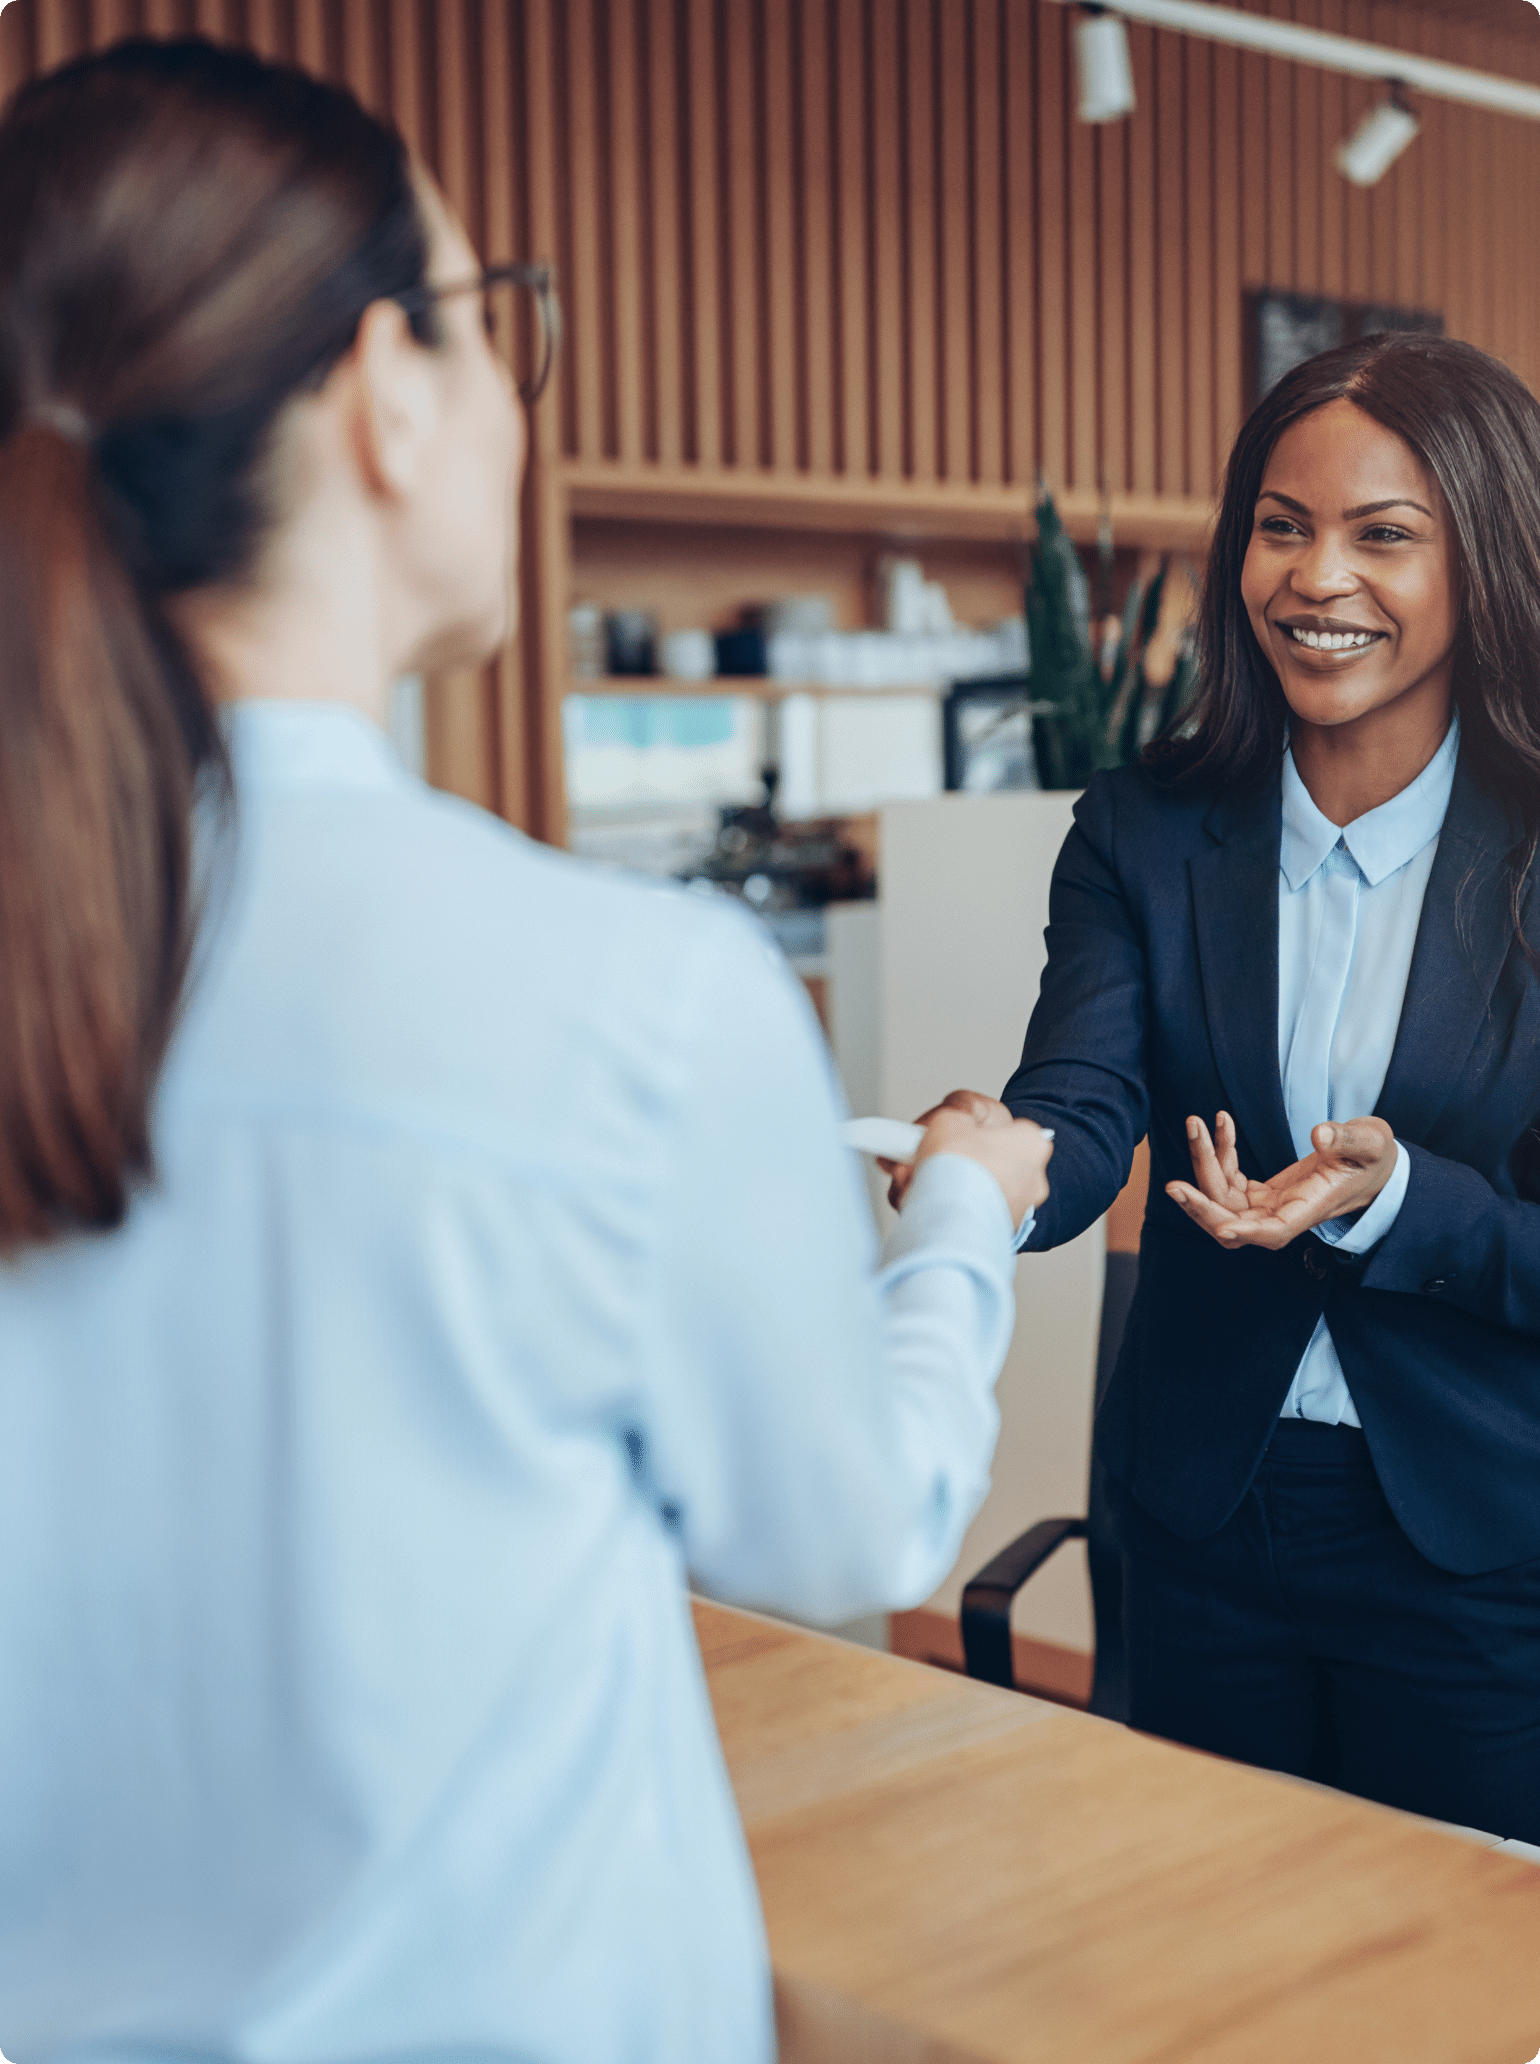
(953, 1874)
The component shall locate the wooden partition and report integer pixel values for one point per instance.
(852, 264)
(866, 238)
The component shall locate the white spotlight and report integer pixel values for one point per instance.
(1103, 71)
(1378, 141)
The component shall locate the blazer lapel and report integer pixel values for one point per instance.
(1235, 905)
(1463, 938)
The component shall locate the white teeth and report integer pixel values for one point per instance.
(1333, 641)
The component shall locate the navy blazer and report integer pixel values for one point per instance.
(1160, 999)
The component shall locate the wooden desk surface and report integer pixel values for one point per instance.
(953, 1874)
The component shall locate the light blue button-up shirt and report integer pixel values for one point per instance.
(1349, 901)
(503, 1266)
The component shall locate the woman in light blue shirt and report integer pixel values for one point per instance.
(417, 1266)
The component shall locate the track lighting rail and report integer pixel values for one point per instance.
(1334, 53)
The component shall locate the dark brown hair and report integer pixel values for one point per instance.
(188, 238)
(1476, 427)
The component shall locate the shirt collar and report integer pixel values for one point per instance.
(1382, 839)
(277, 743)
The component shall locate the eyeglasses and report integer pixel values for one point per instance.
(540, 279)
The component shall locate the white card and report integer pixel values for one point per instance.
(888, 1139)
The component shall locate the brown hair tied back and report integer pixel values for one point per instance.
(188, 238)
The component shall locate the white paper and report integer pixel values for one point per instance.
(888, 1139)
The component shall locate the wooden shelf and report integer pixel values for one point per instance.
(756, 498)
(762, 687)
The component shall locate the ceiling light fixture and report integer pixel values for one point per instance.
(1379, 139)
(1104, 73)
(1427, 76)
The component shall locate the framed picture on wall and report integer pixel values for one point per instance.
(986, 735)
(1283, 330)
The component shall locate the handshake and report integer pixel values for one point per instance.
(1014, 1150)
(1351, 1163)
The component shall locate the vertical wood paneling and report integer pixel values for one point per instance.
(743, 312)
(406, 95)
(704, 238)
(310, 35)
(18, 47)
(1143, 311)
(108, 19)
(1198, 84)
(1281, 215)
(921, 310)
(1020, 241)
(663, 148)
(622, 226)
(855, 448)
(1407, 200)
(817, 371)
(1309, 173)
(1333, 118)
(360, 58)
(262, 28)
(1227, 253)
(1433, 148)
(1171, 263)
(781, 179)
(868, 238)
(459, 145)
(582, 190)
(1052, 251)
(1084, 469)
(1112, 345)
(883, 103)
(954, 57)
(1255, 169)
(56, 37)
(1493, 253)
(986, 219)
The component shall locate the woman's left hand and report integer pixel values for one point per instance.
(1352, 1162)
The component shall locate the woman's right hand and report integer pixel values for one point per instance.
(980, 1128)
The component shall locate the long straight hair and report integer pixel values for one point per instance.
(1476, 427)
(189, 238)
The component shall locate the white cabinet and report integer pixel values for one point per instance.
(930, 990)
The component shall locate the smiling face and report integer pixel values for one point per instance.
(1349, 578)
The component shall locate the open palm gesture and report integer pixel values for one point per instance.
(1352, 1163)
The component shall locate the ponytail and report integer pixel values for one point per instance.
(103, 735)
(189, 238)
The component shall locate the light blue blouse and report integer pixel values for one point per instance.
(1349, 903)
(503, 1267)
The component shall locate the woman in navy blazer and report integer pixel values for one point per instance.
(1360, 1607)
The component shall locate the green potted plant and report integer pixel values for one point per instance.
(1097, 702)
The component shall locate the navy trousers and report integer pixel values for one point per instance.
(1308, 1635)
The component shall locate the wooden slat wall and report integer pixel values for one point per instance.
(918, 244)
(866, 240)
(472, 85)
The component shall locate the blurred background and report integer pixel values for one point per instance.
(843, 281)
(905, 341)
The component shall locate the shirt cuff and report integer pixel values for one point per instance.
(1357, 1236)
(1024, 1230)
(951, 1202)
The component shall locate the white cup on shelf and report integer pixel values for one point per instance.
(689, 655)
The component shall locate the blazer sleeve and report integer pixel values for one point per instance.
(1083, 1064)
(1457, 1239)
